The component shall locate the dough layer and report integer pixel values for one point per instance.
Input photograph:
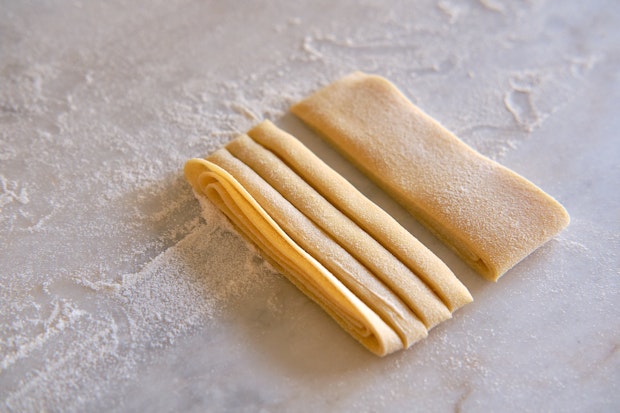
(491, 216)
(321, 246)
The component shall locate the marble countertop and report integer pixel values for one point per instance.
(117, 295)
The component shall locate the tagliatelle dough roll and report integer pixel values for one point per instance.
(273, 189)
(491, 216)
(413, 291)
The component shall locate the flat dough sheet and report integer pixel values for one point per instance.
(272, 188)
(491, 216)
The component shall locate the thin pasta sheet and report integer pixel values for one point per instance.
(491, 216)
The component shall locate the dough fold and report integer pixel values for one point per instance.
(491, 216)
(348, 270)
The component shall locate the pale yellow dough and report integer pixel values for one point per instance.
(346, 258)
(491, 216)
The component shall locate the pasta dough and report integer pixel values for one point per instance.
(273, 189)
(491, 216)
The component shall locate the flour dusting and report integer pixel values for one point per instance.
(180, 290)
(109, 265)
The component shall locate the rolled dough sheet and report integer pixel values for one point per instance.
(317, 244)
(491, 216)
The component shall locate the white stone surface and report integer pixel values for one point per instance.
(116, 296)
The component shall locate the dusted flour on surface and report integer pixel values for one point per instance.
(113, 291)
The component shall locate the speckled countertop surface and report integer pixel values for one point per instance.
(116, 295)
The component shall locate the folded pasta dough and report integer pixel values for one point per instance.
(326, 251)
(413, 291)
(273, 189)
(491, 216)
